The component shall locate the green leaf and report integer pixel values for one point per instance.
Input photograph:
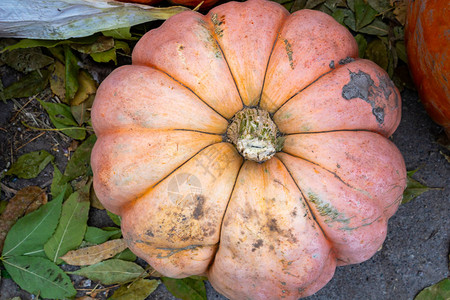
(119, 33)
(97, 236)
(27, 86)
(350, 22)
(80, 161)
(30, 164)
(362, 44)
(62, 118)
(126, 255)
(351, 4)
(186, 288)
(401, 51)
(121, 45)
(102, 43)
(380, 6)
(106, 56)
(30, 43)
(313, 3)
(364, 14)
(40, 276)
(115, 218)
(340, 14)
(71, 227)
(377, 27)
(413, 188)
(71, 63)
(112, 271)
(377, 52)
(56, 188)
(29, 234)
(26, 60)
(138, 290)
(438, 291)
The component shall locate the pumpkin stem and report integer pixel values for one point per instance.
(254, 134)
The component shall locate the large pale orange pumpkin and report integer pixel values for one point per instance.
(249, 145)
(427, 36)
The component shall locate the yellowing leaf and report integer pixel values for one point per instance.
(438, 291)
(58, 81)
(86, 87)
(94, 254)
(138, 290)
(413, 188)
(112, 271)
(25, 201)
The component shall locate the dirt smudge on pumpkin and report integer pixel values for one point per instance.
(198, 212)
(289, 53)
(274, 227)
(362, 86)
(258, 244)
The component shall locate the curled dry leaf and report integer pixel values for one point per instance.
(400, 10)
(25, 201)
(94, 254)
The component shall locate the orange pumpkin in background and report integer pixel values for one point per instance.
(428, 47)
(251, 146)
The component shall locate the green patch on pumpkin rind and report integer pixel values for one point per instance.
(326, 210)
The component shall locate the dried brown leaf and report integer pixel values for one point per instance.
(94, 254)
(400, 7)
(25, 201)
(58, 81)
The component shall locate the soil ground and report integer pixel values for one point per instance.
(414, 255)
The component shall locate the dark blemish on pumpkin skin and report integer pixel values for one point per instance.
(346, 60)
(331, 65)
(198, 211)
(257, 245)
(289, 53)
(294, 212)
(363, 87)
(215, 20)
(149, 233)
(273, 226)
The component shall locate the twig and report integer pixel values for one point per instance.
(38, 136)
(7, 189)
(20, 110)
(55, 129)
